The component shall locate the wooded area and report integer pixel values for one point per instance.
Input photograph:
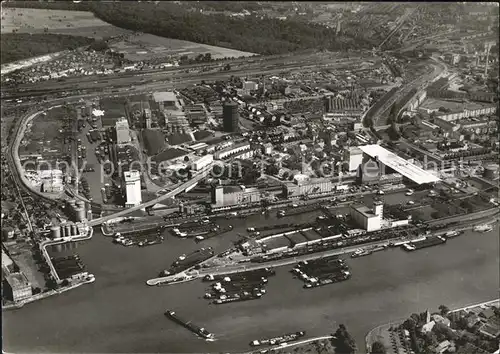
(249, 33)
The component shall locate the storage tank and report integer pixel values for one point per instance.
(67, 230)
(103, 195)
(80, 204)
(55, 231)
(107, 188)
(80, 214)
(89, 215)
(72, 203)
(63, 231)
(490, 171)
(74, 230)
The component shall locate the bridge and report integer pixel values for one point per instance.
(186, 185)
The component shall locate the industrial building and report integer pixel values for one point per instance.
(16, 286)
(229, 196)
(165, 100)
(132, 188)
(203, 162)
(230, 117)
(354, 157)
(304, 186)
(232, 150)
(122, 131)
(76, 210)
(368, 219)
(389, 162)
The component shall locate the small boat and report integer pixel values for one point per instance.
(483, 228)
(278, 340)
(361, 253)
(450, 234)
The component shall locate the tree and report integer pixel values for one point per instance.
(186, 158)
(343, 341)
(393, 114)
(99, 46)
(443, 310)
(378, 348)
(65, 282)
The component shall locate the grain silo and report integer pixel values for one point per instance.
(63, 231)
(55, 231)
(74, 230)
(67, 230)
(89, 215)
(72, 203)
(79, 214)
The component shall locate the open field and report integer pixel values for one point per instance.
(75, 23)
(148, 47)
(82, 23)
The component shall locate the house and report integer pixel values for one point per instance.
(441, 319)
(488, 313)
(442, 347)
(472, 320)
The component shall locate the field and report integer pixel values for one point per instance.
(149, 47)
(136, 47)
(75, 23)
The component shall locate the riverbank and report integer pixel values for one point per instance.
(387, 285)
(382, 333)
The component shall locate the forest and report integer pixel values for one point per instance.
(250, 33)
(19, 46)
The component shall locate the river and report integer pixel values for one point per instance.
(120, 313)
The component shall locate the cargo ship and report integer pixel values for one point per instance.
(202, 332)
(483, 228)
(290, 337)
(427, 242)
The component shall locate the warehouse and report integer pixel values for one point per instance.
(307, 187)
(385, 158)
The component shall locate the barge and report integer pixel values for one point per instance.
(361, 253)
(245, 296)
(187, 261)
(290, 337)
(248, 275)
(332, 279)
(427, 242)
(202, 332)
(451, 234)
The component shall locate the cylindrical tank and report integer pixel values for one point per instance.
(63, 231)
(490, 171)
(103, 195)
(72, 203)
(89, 215)
(67, 229)
(80, 204)
(74, 230)
(80, 214)
(107, 188)
(55, 231)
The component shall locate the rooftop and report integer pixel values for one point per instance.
(363, 209)
(166, 96)
(18, 280)
(399, 164)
